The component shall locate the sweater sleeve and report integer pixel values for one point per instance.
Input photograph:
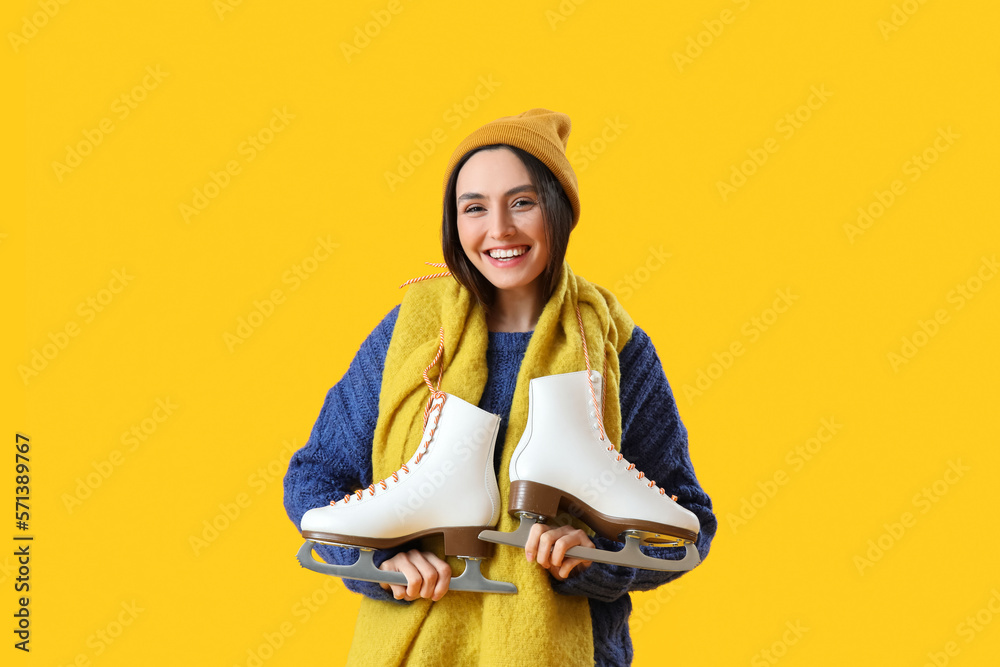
(336, 460)
(655, 440)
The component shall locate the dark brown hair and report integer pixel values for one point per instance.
(557, 213)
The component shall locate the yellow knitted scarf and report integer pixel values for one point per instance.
(535, 626)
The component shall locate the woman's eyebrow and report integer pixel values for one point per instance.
(512, 191)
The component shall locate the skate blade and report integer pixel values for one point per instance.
(471, 580)
(516, 539)
(631, 556)
(362, 570)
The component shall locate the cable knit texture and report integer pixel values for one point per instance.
(337, 460)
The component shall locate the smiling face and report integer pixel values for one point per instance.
(500, 221)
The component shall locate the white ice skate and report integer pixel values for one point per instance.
(564, 461)
(448, 488)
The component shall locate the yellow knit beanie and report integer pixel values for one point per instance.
(541, 132)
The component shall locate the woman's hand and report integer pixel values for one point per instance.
(548, 545)
(427, 576)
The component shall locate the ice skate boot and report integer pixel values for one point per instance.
(448, 488)
(564, 461)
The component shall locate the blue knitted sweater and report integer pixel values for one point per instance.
(337, 460)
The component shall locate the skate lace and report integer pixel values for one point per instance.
(430, 407)
(600, 410)
(433, 275)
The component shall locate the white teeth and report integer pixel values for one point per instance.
(505, 254)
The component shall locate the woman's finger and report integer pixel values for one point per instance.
(428, 573)
(560, 546)
(413, 579)
(567, 539)
(427, 576)
(553, 545)
(392, 565)
(545, 543)
(443, 575)
(531, 545)
(568, 566)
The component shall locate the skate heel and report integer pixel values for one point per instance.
(465, 542)
(530, 502)
(535, 498)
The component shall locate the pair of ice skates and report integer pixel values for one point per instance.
(563, 461)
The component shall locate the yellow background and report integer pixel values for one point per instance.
(681, 127)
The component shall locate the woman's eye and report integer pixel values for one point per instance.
(473, 209)
(526, 202)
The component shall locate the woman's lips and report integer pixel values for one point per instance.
(507, 263)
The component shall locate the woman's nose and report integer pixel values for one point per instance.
(502, 224)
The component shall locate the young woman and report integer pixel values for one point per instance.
(511, 310)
